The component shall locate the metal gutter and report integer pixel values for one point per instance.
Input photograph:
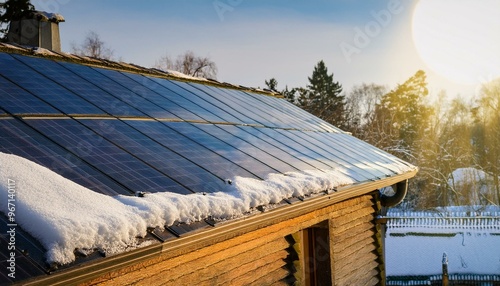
(90, 270)
(401, 189)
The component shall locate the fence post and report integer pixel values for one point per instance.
(445, 269)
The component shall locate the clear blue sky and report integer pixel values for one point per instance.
(254, 40)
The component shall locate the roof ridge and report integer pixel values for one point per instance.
(123, 66)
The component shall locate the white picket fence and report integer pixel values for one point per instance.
(475, 220)
(455, 279)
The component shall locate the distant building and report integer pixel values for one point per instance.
(182, 181)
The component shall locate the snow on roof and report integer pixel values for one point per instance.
(465, 175)
(47, 16)
(183, 75)
(65, 216)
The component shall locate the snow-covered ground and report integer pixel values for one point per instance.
(471, 186)
(416, 241)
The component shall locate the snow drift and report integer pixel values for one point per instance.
(65, 216)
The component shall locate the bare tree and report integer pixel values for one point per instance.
(93, 46)
(360, 107)
(189, 64)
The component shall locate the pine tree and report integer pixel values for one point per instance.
(402, 116)
(12, 10)
(272, 84)
(324, 98)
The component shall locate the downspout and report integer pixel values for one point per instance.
(400, 190)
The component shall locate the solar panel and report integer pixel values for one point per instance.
(313, 152)
(16, 100)
(258, 154)
(268, 145)
(105, 156)
(21, 140)
(346, 158)
(29, 253)
(178, 105)
(141, 106)
(180, 169)
(78, 85)
(295, 150)
(207, 105)
(44, 88)
(167, 134)
(222, 148)
(279, 106)
(329, 154)
(353, 151)
(277, 113)
(242, 106)
(151, 103)
(373, 153)
(218, 104)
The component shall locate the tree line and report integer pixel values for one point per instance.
(439, 136)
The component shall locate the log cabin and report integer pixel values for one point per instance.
(125, 175)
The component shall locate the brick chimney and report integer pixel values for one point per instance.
(37, 29)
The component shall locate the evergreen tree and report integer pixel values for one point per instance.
(402, 116)
(272, 84)
(12, 10)
(324, 98)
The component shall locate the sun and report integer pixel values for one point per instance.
(459, 39)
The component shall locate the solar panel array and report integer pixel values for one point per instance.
(119, 132)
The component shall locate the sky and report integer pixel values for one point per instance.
(381, 41)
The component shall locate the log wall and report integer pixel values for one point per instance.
(271, 255)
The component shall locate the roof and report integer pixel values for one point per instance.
(101, 153)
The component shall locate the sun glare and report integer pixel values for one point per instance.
(459, 39)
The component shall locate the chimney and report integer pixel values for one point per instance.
(37, 29)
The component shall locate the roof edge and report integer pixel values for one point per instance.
(91, 270)
(122, 66)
